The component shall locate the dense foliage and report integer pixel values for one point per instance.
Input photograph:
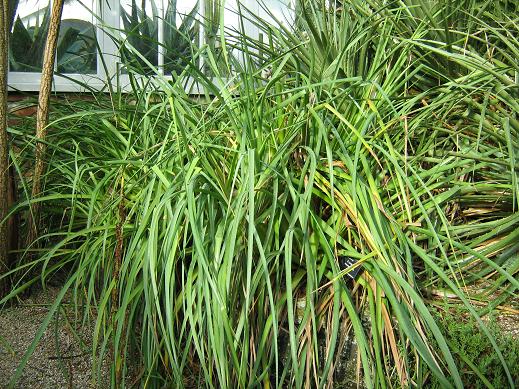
(198, 232)
(479, 365)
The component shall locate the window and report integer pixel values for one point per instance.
(77, 56)
(100, 41)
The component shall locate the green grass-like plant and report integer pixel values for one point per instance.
(194, 228)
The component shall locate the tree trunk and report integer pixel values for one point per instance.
(42, 116)
(4, 149)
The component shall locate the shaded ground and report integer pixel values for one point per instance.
(62, 359)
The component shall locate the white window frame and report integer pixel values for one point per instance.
(109, 11)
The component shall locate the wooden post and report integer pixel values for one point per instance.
(42, 116)
(4, 148)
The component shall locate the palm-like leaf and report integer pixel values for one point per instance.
(212, 234)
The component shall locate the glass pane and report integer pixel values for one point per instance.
(28, 35)
(215, 10)
(139, 22)
(272, 11)
(277, 11)
(76, 46)
(180, 34)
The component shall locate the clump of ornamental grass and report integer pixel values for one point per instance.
(194, 227)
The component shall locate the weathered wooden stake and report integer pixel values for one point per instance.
(42, 116)
(4, 148)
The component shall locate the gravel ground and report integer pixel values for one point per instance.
(59, 361)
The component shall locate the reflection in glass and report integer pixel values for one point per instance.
(141, 23)
(141, 34)
(77, 41)
(28, 35)
(181, 31)
(76, 52)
